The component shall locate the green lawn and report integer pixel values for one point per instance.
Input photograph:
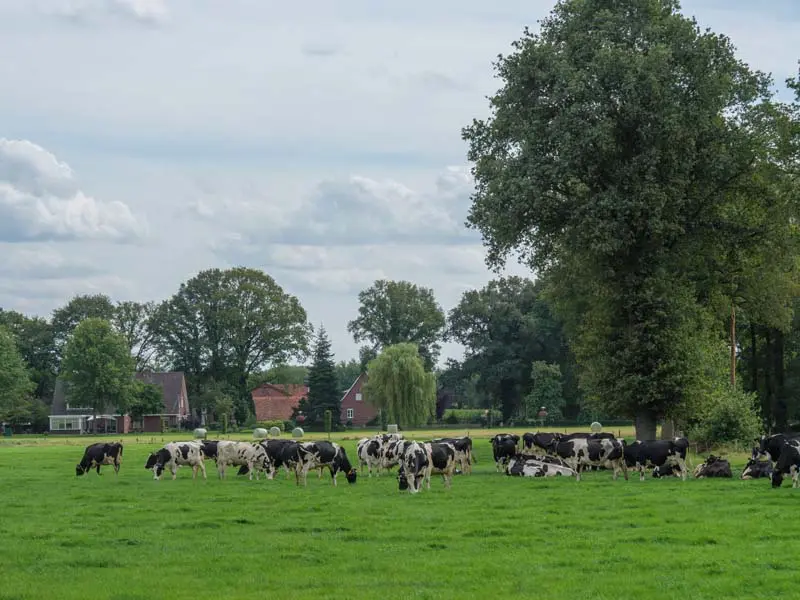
(130, 537)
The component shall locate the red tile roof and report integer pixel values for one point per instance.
(275, 401)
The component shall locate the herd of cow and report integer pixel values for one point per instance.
(540, 455)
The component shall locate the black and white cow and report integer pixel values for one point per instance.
(242, 454)
(392, 453)
(174, 455)
(714, 466)
(657, 453)
(415, 464)
(788, 463)
(100, 454)
(522, 465)
(280, 453)
(580, 452)
(543, 441)
(463, 447)
(442, 457)
(756, 469)
(666, 471)
(370, 454)
(504, 447)
(313, 455)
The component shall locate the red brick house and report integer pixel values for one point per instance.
(276, 401)
(354, 408)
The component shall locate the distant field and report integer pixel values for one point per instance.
(131, 538)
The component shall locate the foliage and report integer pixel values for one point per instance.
(631, 157)
(505, 327)
(399, 385)
(228, 324)
(66, 318)
(97, 367)
(279, 374)
(545, 390)
(15, 383)
(270, 424)
(145, 399)
(134, 320)
(346, 373)
(468, 416)
(728, 416)
(394, 312)
(323, 385)
(34, 337)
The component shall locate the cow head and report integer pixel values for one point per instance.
(80, 469)
(402, 481)
(351, 476)
(777, 478)
(151, 460)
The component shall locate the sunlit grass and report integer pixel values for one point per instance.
(129, 537)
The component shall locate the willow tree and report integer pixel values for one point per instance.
(624, 155)
(399, 385)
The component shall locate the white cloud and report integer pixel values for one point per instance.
(39, 200)
(148, 12)
(42, 261)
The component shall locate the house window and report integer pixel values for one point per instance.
(350, 413)
(358, 397)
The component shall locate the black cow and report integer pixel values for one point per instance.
(312, 455)
(579, 452)
(756, 469)
(714, 466)
(657, 453)
(415, 464)
(788, 463)
(544, 441)
(210, 449)
(442, 457)
(463, 447)
(771, 445)
(666, 471)
(100, 454)
(504, 447)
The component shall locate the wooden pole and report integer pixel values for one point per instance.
(733, 345)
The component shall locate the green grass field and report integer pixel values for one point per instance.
(129, 537)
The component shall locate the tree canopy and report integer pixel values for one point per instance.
(323, 385)
(399, 384)
(395, 312)
(632, 157)
(15, 383)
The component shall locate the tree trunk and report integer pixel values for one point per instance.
(769, 389)
(645, 424)
(753, 359)
(733, 345)
(668, 430)
(781, 412)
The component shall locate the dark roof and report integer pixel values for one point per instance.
(170, 382)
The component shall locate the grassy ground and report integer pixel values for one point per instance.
(129, 537)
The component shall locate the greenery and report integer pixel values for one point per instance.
(98, 367)
(323, 384)
(146, 399)
(395, 312)
(467, 416)
(545, 390)
(15, 382)
(367, 524)
(646, 172)
(270, 424)
(399, 385)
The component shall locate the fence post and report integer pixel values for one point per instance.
(328, 419)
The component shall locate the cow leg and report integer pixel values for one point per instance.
(194, 472)
(155, 473)
(203, 468)
(250, 469)
(174, 469)
(116, 467)
(624, 468)
(641, 469)
(98, 468)
(221, 470)
(793, 470)
(682, 466)
(333, 476)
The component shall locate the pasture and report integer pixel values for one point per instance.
(132, 538)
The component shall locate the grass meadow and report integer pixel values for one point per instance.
(132, 538)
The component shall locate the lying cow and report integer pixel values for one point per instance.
(442, 457)
(756, 469)
(714, 466)
(504, 447)
(788, 464)
(666, 471)
(174, 455)
(241, 454)
(581, 452)
(100, 454)
(414, 466)
(524, 466)
(657, 453)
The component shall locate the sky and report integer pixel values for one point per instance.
(142, 141)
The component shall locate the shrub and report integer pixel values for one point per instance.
(451, 419)
(468, 416)
(729, 416)
(270, 424)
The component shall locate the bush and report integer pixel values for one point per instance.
(469, 416)
(451, 419)
(729, 416)
(270, 424)
(288, 425)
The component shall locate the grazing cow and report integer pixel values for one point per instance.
(522, 465)
(788, 463)
(657, 453)
(174, 455)
(415, 463)
(392, 453)
(714, 466)
(504, 447)
(579, 452)
(209, 449)
(242, 454)
(463, 448)
(756, 469)
(100, 454)
(771, 445)
(442, 457)
(370, 454)
(313, 455)
(279, 454)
